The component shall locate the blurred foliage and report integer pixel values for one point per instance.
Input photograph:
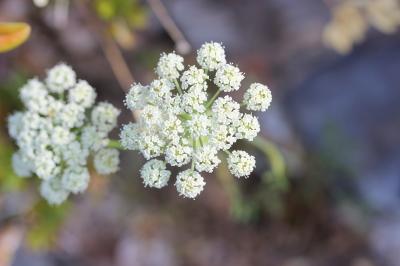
(129, 10)
(12, 35)
(9, 100)
(45, 222)
(122, 16)
(9, 92)
(268, 196)
(9, 181)
(328, 172)
(332, 164)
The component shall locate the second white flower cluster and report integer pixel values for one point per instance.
(180, 123)
(60, 128)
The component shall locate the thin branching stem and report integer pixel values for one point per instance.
(181, 44)
(111, 51)
(211, 101)
(275, 157)
(115, 144)
(178, 87)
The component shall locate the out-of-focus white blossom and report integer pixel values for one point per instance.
(70, 116)
(76, 179)
(53, 191)
(22, 167)
(61, 136)
(182, 123)
(384, 15)
(104, 116)
(41, 3)
(82, 94)
(47, 164)
(56, 133)
(155, 174)
(189, 184)
(130, 136)
(75, 153)
(15, 124)
(93, 139)
(240, 163)
(351, 19)
(211, 55)
(106, 161)
(34, 96)
(60, 78)
(257, 98)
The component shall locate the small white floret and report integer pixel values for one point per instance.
(257, 98)
(206, 159)
(136, 98)
(211, 55)
(240, 163)
(169, 66)
(193, 76)
(189, 184)
(155, 174)
(248, 127)
(228, 78)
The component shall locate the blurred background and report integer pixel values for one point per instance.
(326, 189)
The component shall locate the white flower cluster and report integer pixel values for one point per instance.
(59, 130)
(181, 123)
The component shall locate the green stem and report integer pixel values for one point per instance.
(185, 116)
(273, 154)
(115, 144)
(194, 147)
(178, 86)
(211, 101)
(192, 167)
(201, 142)
(231, 189)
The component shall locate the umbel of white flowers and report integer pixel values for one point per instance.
(180, 123)
(58, 131)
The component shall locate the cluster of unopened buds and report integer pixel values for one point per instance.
(181, 125)
(59, 130)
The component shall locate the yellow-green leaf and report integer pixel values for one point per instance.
(13, 34)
